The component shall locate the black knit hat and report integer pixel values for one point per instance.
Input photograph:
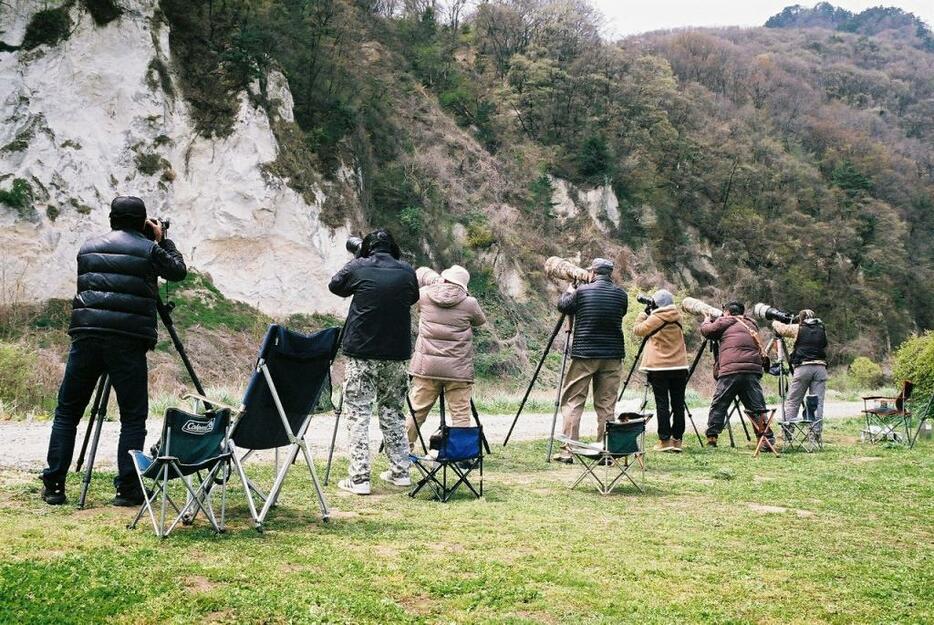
(128, 206)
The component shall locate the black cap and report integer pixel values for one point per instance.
(128, 206)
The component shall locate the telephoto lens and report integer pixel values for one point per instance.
(353, 245)
(649, 302)
(560, 269)
(699, 308)
(768, 313)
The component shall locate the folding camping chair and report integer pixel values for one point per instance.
(190, 444)
(762, 426)
(290, 374)
(623, 442)
(803, 432)
(459, 452)
(886, 415)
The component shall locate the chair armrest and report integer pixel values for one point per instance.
(207, 400)
(879, 397)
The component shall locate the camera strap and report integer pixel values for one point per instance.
(755, 337)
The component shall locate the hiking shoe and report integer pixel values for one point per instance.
(564, 458)
(663, 445)
(54, 494)
(395, 480)
(711, 441)
(676, 446)
(357, 488)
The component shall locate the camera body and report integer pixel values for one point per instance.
(649, 302)
(769, 313)
(163, 223)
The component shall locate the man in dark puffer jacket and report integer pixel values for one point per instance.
(113, 325)
(737, 367)
(597, 350)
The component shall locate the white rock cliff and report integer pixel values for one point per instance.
(86, 109)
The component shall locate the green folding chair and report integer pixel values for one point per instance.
(607, 463)
(888, 417)
(193, 446)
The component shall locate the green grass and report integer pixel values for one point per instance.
(843, 536)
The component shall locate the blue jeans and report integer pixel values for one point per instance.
(124, 359)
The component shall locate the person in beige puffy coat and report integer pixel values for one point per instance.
(444, 352)
(665, 363)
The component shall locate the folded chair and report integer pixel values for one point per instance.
(190, 444)
(804, 431)
(885, 416)
(622, 447)
(455, 452)
(291, 372)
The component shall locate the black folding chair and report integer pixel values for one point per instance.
(803, 432)
(290, 374)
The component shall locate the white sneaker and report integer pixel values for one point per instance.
(386, 476)
(363, 488)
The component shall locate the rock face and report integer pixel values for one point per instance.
(600, 203)
(88, 119)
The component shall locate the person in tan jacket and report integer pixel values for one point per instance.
(665, 363)
(444, 352)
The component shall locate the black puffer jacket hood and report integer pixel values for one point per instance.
(598, 309)
(118, 284)
(379, 321)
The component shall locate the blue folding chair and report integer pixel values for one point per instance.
(458, 451)
(291, 372)
(190, 444)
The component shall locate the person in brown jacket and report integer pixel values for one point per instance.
(444, 352)
(665, 363)
(737, 367)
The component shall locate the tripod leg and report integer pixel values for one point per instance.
(687, 411)
(476, 418)
(337, 419)
(92, 418)
(99, 424)
(554, 417)
(739, 412)
(632, 369)
(729, 426)
(541, 361)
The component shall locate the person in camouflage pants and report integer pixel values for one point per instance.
(378, 344)
(385, 383)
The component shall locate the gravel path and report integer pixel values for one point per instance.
(23, 445)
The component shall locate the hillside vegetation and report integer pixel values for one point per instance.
(783, 164)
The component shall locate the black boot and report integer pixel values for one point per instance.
(129, 498)
(53, 493)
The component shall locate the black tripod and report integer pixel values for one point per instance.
(102, 398)
(541, 362)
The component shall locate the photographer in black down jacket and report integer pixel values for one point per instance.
(597, 350)
(113, 325)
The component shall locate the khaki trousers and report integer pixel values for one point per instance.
(423, 394)
(606, 375)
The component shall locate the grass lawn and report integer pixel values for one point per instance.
(843, 536)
